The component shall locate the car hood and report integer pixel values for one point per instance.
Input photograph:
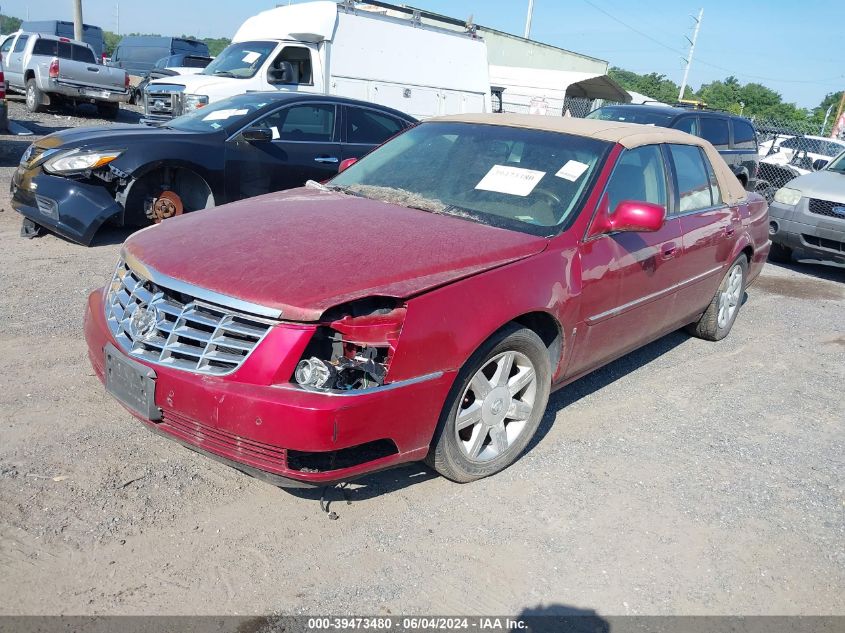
(306, 250)
(215, 87)
(828, 185)
(108, 137)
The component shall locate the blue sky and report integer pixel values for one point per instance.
(792, 47)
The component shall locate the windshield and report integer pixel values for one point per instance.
(234, 112)
(526, 180)
(632, 115)
(837, 164)
(241, 60)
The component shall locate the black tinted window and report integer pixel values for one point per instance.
(638, 176)
(83, 54)
(49, 48)
(715, 130)
(687, 124)
(64, 50)
(312, 122)
(370, 127)
(20, 43)
(744, 135)
(693, 180)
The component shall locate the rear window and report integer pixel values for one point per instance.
(744, 135)
(632, 115)
(64, 50)
(369, 127)
(715, 130)
(695, 188)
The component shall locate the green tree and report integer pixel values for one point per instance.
(110, 41)
(9, 24)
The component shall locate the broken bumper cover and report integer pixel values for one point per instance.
(71, 208)
(279, 432)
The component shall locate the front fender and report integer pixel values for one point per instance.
(445, 326)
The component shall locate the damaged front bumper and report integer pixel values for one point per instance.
(257, 421)
(72, 208)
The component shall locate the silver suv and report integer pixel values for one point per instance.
(809, 214)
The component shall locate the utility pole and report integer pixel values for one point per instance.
(528, 19)
(117, 18)
(77, 19)
(691, 51)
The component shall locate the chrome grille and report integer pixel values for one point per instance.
(177, 330)
(828, 208)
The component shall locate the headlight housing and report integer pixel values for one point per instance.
(351, 353)
(193, 102)
(76, 161)
(787, 196)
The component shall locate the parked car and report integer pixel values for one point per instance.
(4, 109)
(791, 156)
(138, 54)
(180, 64)
(808, 214)
(50, 69)
(733, 136)
(424, 302)
(75, 180)
(91, 35)
(335, 48)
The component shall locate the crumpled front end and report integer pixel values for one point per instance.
(220, 375)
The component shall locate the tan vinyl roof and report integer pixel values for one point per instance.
(628, 135)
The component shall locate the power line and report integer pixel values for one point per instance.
(706, 63)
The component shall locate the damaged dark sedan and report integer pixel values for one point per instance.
(75, 181)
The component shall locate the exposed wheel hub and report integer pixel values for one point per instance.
(167, 205)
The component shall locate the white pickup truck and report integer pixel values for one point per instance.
(49, 69)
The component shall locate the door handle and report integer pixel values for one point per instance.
(668, 251)
(93, 70)
(729, 230)
(326, 159)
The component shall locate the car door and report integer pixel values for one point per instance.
(708, 226)
(365, 128)
(628, 278)
(303, 145)
(14, 62)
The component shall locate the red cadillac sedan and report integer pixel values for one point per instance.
(424, 302)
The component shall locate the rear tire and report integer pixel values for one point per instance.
(108, 110)
(494, 407)
(718, 319)
(34, 97)
(780, 254)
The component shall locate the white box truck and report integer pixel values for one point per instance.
(338, 49)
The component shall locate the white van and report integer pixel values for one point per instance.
(336, 49)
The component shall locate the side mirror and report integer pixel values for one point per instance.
(345, 164)
(281, 75)
(629, 216)
(819, 164)
(257, 135)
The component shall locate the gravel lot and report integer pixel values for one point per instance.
(686, 478)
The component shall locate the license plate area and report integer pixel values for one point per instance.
(131, 383)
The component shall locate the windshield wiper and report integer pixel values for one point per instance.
(224, 73)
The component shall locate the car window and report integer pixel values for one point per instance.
(240, 60)
(639, 175)
(49, 48)
(715, 130)
(313, 122)
(694, 186)
(744, 135)
(633, 114)
(831, 149)
(688, 124)
(19, 45)
(7, 45)
(299, 58)
(715, 192)
(526, 180)
(370, 127)
(83, 54)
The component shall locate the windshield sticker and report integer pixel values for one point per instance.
(215, 125)
(572, 170)
(250, 57)
(511, 180)
(222, 115)
(275, 132)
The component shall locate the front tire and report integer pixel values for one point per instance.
(718, 319)
(494, 407)
(34, 97)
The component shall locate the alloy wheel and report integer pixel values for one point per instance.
(496, 406)
(729, 298)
